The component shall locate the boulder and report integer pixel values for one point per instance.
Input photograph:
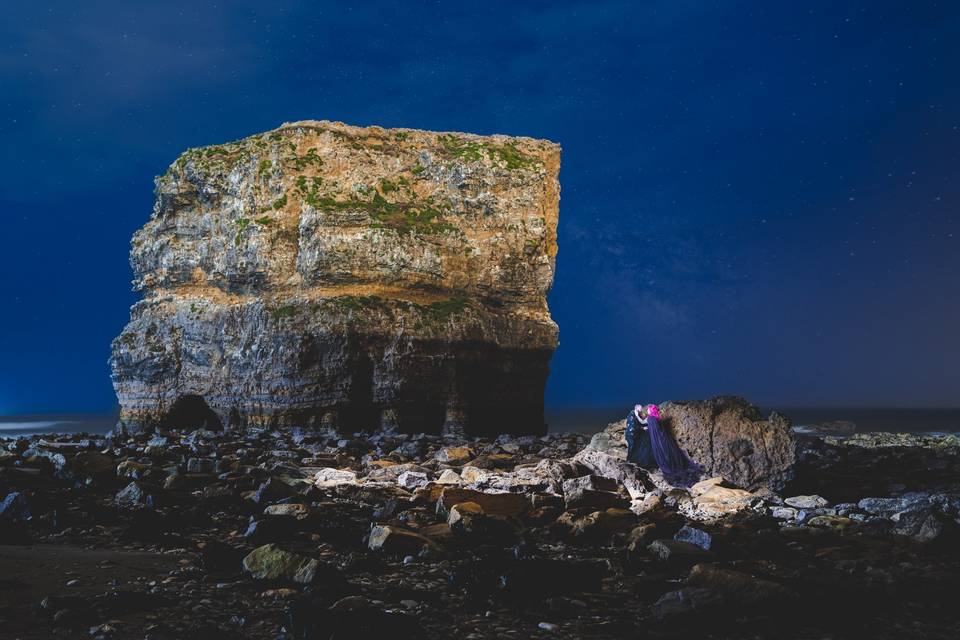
(676, 551)
(474, 475)
(640, 537)
(595, 526)
(836, 523)
(469, 518)
(783, 513)
(594, 482)
(330, 478)
(396, 540)
(455, 455)
(579, 497)
(497, 504)
(294, 510)
(806, 502)
(728, 437)
(132, 469)
(917, 516)
(606, 456)
(132, 495)
(412, 479)
(695, 536)
(271, 491)
(269, 562)
(450, 477)
(188, 481)
(711, 500)
(15, 508)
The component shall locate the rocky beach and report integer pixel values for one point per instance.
(296, 533)
(332, 426)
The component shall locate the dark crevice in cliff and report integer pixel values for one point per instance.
(191, 412)
(421, 418)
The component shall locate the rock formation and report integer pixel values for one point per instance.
(357, 278)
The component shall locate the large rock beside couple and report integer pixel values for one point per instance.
(726, 436)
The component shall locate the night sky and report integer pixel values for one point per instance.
(757, 198)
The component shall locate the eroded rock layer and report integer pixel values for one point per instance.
(355, 278)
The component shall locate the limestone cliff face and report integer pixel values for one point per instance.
(322, 274)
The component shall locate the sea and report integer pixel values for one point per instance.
(567, 420)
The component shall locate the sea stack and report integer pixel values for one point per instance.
(329, 276)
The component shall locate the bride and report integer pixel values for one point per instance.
(651, 446)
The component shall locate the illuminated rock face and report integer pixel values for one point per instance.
(356, 278)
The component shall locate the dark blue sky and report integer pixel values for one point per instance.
(757, 198)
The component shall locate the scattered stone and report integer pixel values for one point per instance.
(455, 455)
(783, 513)
(15, 508)
(290, 510)
(132, 469)
(132, 495)
(650, 502)
(594, 482)
(449, 477)
(469, 518)
(676, 551)
(395, 540)
(806, 502)
(272, 491)
(694, 536)
(269, 562)
(579, 497)
(328, 478)
(412, 479)
(496, 504)
(837, 523)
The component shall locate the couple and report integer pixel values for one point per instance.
(650, 446)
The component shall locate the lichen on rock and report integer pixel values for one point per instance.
(328, 275)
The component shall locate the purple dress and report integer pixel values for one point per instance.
(678, 469)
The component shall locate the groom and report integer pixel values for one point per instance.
(639, 448)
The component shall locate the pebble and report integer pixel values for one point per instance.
(548, 626)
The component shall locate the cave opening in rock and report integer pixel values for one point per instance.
(421, 418)
(191, 411)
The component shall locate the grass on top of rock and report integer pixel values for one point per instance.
(310, 159)
(264, 167)
(403, 217)
(309, 189)
(475, 151)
